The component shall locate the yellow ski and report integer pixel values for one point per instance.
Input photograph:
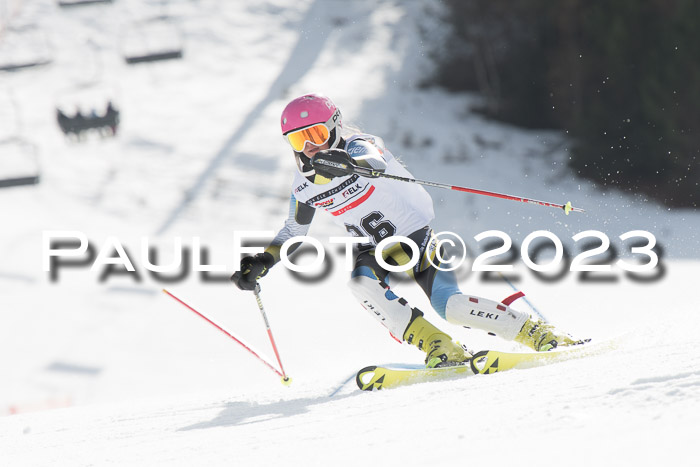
(484, 362)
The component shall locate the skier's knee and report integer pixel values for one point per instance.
(365, 271)
(376, 297)
(444, 287)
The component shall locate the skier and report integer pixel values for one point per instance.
(377, 208)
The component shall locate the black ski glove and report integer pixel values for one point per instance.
(252, 269)
(332, 163)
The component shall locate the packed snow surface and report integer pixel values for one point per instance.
(114, 372)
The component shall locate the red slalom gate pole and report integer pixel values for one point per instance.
(231, 336)
(285, 379)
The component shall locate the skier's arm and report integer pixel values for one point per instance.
(364, 154)
(255, 267)
(361, 158)
(297, 224)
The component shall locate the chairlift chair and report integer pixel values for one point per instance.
(72, 3)
(22, 48)
(151, 41)
(19, 163)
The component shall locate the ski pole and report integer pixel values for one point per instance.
(376, 174)
(228, 334)
(537, 312)
(285, 379)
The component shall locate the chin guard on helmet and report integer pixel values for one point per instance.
(305, 168)
(304, 164)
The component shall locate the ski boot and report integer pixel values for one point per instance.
(543, 337)
(438, 346)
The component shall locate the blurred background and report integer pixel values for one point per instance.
(618, 78)
(132, 118)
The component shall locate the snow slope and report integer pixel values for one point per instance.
(134, 378)
(194, 398)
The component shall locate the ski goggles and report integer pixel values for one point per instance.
(316, 134)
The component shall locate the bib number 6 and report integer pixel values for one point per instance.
(373, 225)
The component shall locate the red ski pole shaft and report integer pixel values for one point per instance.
(566, 207)
(285, 378)
(228, 334)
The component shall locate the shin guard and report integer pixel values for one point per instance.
(481, 313)
(392, 311)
